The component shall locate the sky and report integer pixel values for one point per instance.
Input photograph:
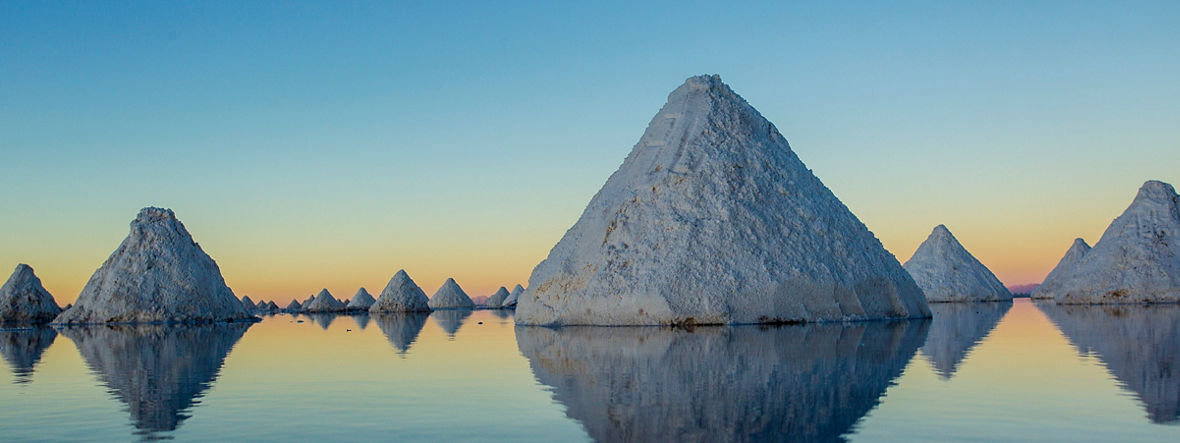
(329, 144)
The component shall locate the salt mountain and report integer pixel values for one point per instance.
(713, 219)
(401, 294)
(946, 272)
(510, 301)
(1057, 276)
(157, 275)
(1137, 260)
(23, 300)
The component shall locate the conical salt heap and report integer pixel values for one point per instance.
(1052, 283)
(362, 301)
(713, 219)
(271, 306)
(497, 299)
(401, 294)
(24, 301)
(294, 306)
(450, 296)
(248, 304)
(158, 274)
(324, 302)
(946, 272)
(1137, 260)
(513, 297)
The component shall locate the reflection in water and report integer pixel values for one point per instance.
(811, 382)
(502, 314)
(361, 320)
(956, 328)
(401, 328)
(22, 349)
(1139, 345)
(324, 320)
(450, 319)
(159, 371)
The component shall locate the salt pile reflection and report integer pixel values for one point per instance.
(1138, 344)
(956, 329)
(809, 382)
(160, 372)
(22, 349)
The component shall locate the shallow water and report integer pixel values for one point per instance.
(1002, 371)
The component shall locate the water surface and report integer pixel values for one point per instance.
(992, 371)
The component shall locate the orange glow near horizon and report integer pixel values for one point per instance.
(263, 261)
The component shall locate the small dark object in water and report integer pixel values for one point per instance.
(299, 321)
(480, 323)
(348, 330)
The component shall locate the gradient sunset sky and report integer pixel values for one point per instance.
(330, 144)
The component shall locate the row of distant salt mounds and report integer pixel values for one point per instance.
(401, 294)
(711, 219)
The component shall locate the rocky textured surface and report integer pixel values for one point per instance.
(712, 218)
(248, 303)
(24, 301)
(401, 294)
(324, 302)
(1052, 283)
(362, 301)
(450, 296)
(513, 297)
(294, 306)
(721, 384)
(157, 275)
(946, 272)
(1137, 260)
(497, 300)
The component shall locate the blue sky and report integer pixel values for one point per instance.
(352, 139)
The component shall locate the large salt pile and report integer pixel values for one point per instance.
(362, 301)
(513, 297)
(450, 296)
(158, 274)
(401, 294)
(1052, 283)
(712, 218)
(1137, 260)
(324, 302)
(496, 301)
(24, 301)
(946, 272)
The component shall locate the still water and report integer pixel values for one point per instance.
(994, 371)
